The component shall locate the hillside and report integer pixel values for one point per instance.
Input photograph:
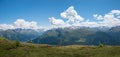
(80, 36)
(66, 36)
(16, 49)
(22, 35)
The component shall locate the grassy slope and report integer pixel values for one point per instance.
(9, 49)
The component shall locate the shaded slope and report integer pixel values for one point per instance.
(84, 36)
(20, 34)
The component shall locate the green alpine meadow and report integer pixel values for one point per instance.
(18, 49)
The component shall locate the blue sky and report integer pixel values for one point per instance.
(41, 10)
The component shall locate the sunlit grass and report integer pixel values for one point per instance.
(7, 49)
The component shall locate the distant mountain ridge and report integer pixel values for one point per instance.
(23, 35)
(82, 35)
(66, 36)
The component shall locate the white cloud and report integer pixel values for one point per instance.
(98, 17)
(117, 12)
(57, 22)
(95, 15)
(71, 15)
(21, 23)
(6, 26)
(72, 18)
(90, 24)
(87, 23)
(110, 19)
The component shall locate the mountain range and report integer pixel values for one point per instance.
(19, 34)
(66, 36)
(80, 36)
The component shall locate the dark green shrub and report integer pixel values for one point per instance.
(30, 41)
(101, 45)
(17, 43)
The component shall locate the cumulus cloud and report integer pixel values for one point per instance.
(71, 15)
(21, 23)
(6, 26)
(73, 19)
(98, 17)
(110, 19)
(57, 22)
(87, 24)
(90, 24)
(117, 12)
